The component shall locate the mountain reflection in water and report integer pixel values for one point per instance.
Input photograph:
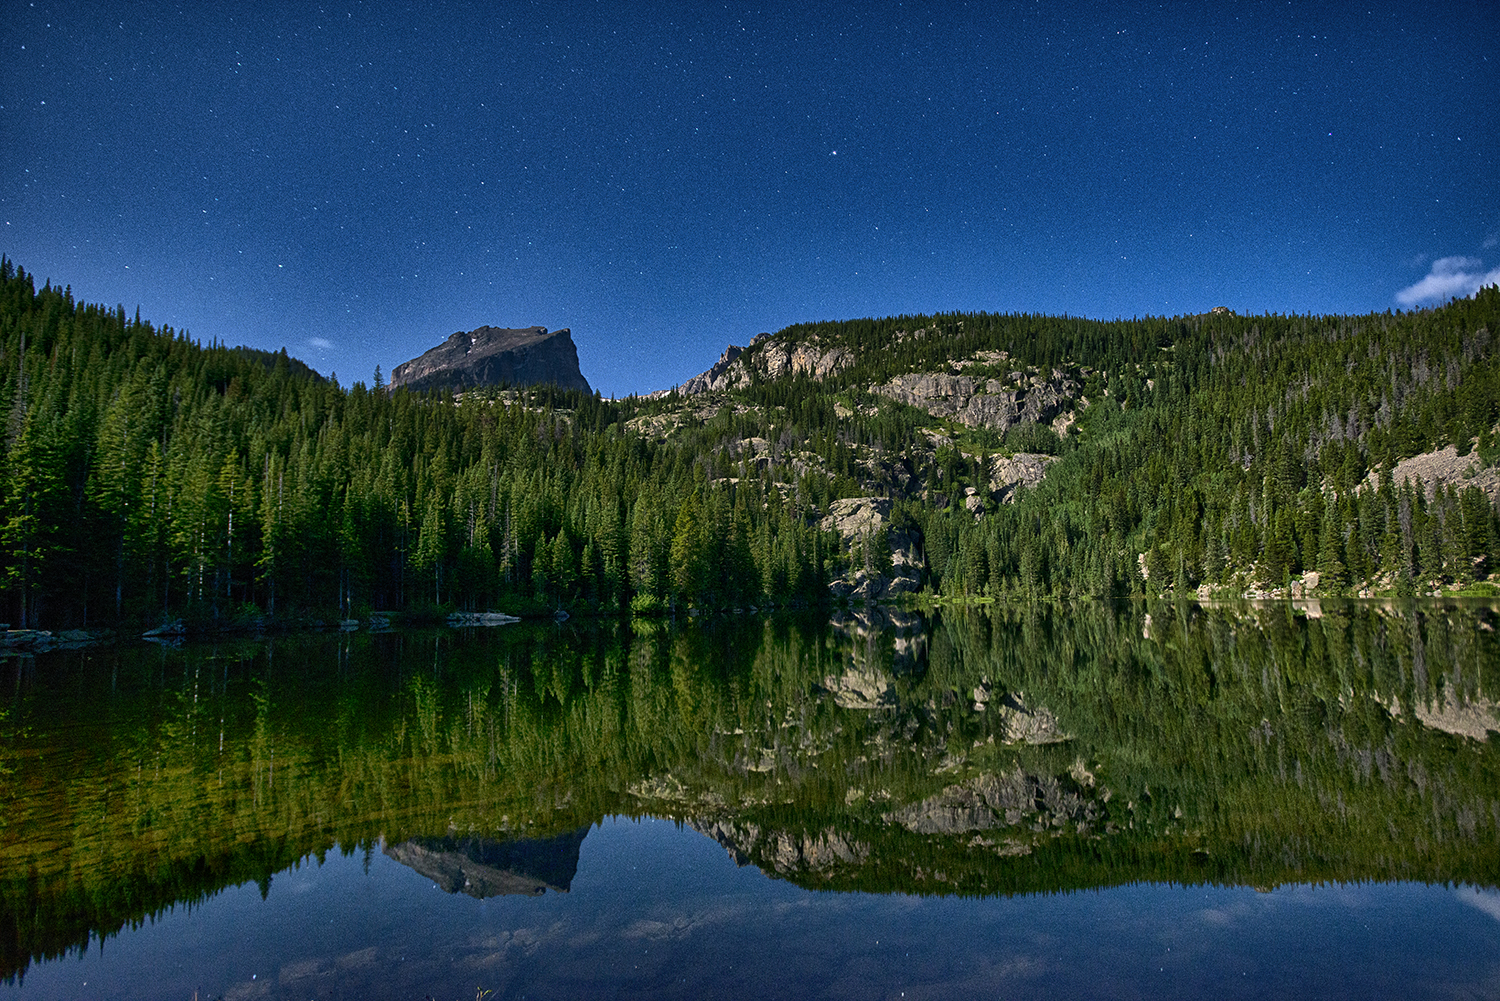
(1016, 750)
(484, 868)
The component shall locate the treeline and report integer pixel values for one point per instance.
(147, 477)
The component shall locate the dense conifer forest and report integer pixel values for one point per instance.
(1239, 451)
(148, 477)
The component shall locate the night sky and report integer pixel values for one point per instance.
(357, 181)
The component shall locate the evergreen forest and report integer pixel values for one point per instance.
(150, 478)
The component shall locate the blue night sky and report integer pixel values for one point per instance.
(357, 181)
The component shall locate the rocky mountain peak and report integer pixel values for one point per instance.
(493, 356)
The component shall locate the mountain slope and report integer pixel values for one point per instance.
(1208, 453)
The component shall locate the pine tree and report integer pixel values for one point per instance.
(28, 531)
(1331, 570)
(686, 559)
(432, 547)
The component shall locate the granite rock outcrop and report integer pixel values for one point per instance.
(998, 404)
(893, 562)
(1024, 469)
(768, 359)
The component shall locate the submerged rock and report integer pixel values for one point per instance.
(481, 619)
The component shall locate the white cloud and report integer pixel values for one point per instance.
(321, 343)
(1450, 277)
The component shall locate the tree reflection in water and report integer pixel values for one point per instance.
(1007, 751)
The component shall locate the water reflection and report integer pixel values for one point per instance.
(980, 754)
(482, 867)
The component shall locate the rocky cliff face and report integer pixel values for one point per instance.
(987, 403)
(770, 359)
(982, 389)
(1024, 469)
(864, 520)
(1442, 468)
(490, 356)
(719, 376)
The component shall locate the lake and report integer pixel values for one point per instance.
(1021, 801)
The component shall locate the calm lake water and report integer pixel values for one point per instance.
(1034, 802)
